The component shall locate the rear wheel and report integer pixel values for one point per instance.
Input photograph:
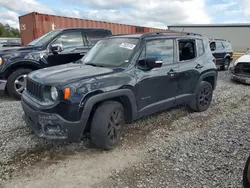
(203, 98)
(107, 125)
(226, 64)
(17, 82)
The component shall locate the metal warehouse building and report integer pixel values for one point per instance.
(237, 34)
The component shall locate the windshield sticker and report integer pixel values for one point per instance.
(127, 46)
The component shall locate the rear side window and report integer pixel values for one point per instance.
(187, 49)
(200, 47)
(93, 36)
(219, 46)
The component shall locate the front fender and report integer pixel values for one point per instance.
(89, 103)
(20, 63)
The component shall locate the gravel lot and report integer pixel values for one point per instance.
(175, 148)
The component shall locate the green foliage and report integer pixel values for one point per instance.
(7, 31)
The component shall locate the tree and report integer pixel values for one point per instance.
(7, 31)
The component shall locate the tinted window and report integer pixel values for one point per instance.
(219, 46)
(92, 37)
(161, 49)
(187, 49)
(200, 47)
(70, 41)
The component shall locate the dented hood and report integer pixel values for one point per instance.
(63, 74)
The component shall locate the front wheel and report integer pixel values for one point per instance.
(16, 82)
(107, 125)
(203, 97)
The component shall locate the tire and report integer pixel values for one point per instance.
(226, 64)
(107, 125)
(246, 180)
(203, 97)
(12, 88)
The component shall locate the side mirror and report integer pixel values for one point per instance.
(152, 62)
(55, 48)
(212, 46)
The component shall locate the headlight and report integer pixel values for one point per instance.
(53, 93)
(1, 61)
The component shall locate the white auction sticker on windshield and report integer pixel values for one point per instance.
(127, 46)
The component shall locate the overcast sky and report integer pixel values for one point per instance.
(152, 13)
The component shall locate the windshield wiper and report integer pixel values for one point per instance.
(93, 64)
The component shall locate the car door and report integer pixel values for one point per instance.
(156, 88)
(190, 67)
(71, 42)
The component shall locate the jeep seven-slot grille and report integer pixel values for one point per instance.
(242, 68)
(35, 89)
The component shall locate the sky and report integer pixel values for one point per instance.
(150, 13)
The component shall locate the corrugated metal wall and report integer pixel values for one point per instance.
(37, 24)
(238, 36)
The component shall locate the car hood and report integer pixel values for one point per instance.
(67, 73)
(15, 49)
(244, 58)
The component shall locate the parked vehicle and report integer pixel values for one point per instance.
(6, 42)
(54, 48)
(240, 71)
(122, 78)
(223, 52)
(246, 174)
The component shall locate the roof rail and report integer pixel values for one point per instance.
(193, 34)
(169, 33)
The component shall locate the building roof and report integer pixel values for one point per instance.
(212, 25)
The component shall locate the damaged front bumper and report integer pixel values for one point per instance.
(243, 78)
(51, 126)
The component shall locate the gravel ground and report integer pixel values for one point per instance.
(174, 148)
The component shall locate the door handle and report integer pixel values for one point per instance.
(198, 66)
(172, 72)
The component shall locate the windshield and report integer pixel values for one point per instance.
(114, 52)
(44, 38)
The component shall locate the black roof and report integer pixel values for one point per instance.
(157, 34)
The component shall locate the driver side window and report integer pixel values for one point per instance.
(70, 41)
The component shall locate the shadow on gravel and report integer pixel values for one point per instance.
(6, 97)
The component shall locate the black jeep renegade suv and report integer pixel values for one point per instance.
(121, 79)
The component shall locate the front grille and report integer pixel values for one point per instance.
(35, 89)
(242, 68)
